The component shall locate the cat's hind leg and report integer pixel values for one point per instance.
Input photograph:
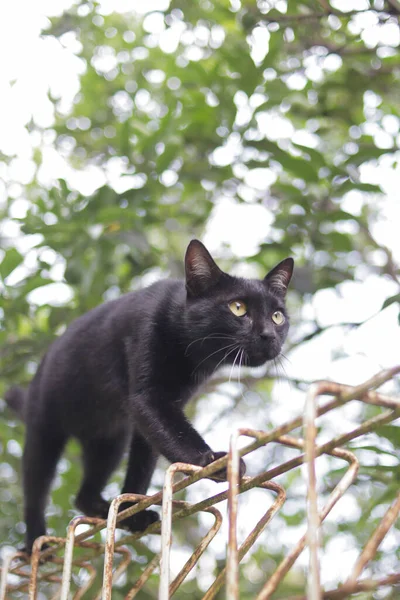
(41, 453)
(141, 464)
(101, 456)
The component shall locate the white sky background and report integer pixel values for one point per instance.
(31, 65)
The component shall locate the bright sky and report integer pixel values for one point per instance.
(32, 67)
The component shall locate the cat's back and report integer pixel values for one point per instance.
(84, 375)
(96, 340)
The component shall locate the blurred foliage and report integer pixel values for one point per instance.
(176, 109)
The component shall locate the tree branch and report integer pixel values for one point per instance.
(325, 5)
(318, 330)
(395, 4)
(282, 18)
(392, 269)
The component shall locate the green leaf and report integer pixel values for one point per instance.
(350, 186)
(339, 242)
(297, 166)
(392, 433)
(317, 158)
(391, 300)
(11, 260)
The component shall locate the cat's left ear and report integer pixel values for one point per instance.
(201, 271)
(278, 279)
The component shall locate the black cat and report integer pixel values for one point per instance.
(121, 375)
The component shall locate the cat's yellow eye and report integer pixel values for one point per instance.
(278, 317)
(238, 308)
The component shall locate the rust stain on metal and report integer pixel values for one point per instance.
(313, 521)
(150, 568)
(232, 560)
(373, 543)
(205, 541)
(53, 565)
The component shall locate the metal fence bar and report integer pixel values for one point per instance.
(272, 584)
(33, 572)
(92, 576)
(253, 535)
(150, 568)
(313, 520)
(166, 524)
(373, 543)
(110, 540)
(69, 550)
(35, 560)
(346, 590)
(232, 561)
(5, 571)
(205, 541)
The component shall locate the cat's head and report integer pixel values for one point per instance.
(232, 319)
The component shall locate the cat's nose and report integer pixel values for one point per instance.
(267, 334)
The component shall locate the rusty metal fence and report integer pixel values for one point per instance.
(62, 556)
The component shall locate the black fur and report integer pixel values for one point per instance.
(16, 399)
(120, 376)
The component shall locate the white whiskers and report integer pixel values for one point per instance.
(213, 353)
(212, 336)
(280, 371)
(235, 347)
(233, 364)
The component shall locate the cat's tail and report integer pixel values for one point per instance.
(16, 400)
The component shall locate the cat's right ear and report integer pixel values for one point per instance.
(201, 271)
(280, 276)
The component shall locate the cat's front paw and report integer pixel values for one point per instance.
(222, 475)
